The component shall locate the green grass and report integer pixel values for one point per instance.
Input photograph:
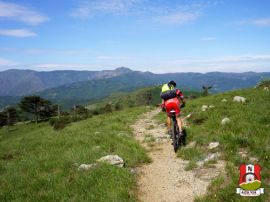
(248, 130)
(38, 163)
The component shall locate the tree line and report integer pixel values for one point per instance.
(33, 106)
(35, 109)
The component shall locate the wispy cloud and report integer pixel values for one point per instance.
(88, 9)
(240, 63)
(47, 66)
(45, 51)
(260, 22)
(208, 38)
(178, 18)
(17, 32)
(21, 13)
(6, 62)
(178, 14)
(111, 57)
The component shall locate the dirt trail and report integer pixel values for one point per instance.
(165, 178)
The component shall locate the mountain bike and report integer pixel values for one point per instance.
(177, 138)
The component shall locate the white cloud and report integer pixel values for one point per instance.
(21, 13)
(17, 32)
(240, 63)
(68, 66)
(179, 13)
(90, 8)
(6, 62)
(58, 66)
(178, 18)
(260, 22)
(111, 57)
(208, 38)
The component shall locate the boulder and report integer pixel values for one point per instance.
(225, 121)
(213, 145)
(112, 160)
(224, 100)
(211, 106)
(266, 88)
(86, 166)
(239, 99)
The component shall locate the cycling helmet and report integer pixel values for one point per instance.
(172, 83)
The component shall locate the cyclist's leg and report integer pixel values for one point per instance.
(179, 123)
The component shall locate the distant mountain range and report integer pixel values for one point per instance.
(84, 86)
(23, 82)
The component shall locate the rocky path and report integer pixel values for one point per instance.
(165, 178)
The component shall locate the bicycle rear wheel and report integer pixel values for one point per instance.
(174, 135)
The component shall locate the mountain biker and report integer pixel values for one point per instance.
(172, 99)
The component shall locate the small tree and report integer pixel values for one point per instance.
(264, 83)
(118, 106)
(3, 119)
(148, 97)
(37, 106)
(206, 90)
(107, 108)
(48, 110)
(8, 117)
(81, 111)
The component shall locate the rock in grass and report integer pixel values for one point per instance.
(86, 166)
(204, 108)
(211, 106)
(213, 145)
(112, 160)
(188, 116)
(210, 157)
(225, 121)
(266, 88)
(239, 99)
(224, 100)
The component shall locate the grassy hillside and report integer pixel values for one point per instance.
(248, 133)
(40, 164)
(137, 98)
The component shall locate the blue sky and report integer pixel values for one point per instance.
(147, 35)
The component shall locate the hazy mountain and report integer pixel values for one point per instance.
(80, 87)
(99, 88)
(22, 82)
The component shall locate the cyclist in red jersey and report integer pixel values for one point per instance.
(175, 102)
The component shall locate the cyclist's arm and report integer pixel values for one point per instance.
(181, 97)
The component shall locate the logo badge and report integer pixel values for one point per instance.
(250, 180)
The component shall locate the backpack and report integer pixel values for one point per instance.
(167, 92)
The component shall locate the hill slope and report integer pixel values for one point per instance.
(40, 164)
(245, 139)
(97, 89)
(142, 96)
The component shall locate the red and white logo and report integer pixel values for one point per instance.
(250, 180)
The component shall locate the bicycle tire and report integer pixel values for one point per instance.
(174, 135)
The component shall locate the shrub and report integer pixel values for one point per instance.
(106, 109)
(118, 106)
(60, 123)
(264, 83)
